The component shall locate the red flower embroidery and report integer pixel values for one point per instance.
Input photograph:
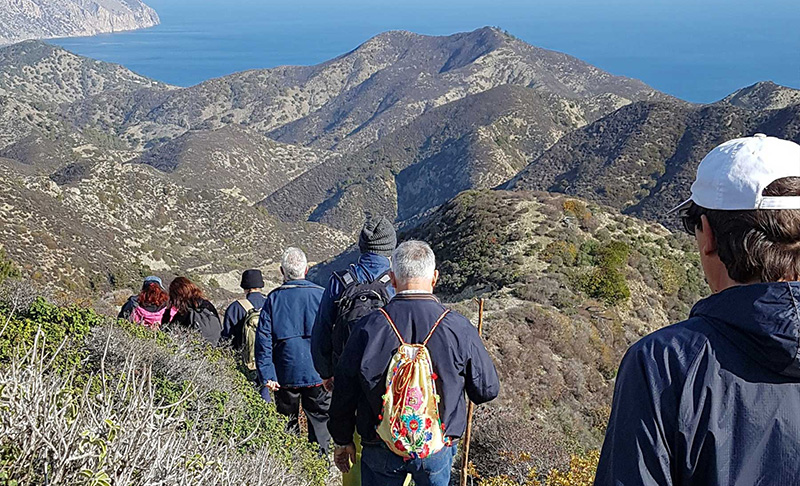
(413, 425)
(399, 446)
(428, 423)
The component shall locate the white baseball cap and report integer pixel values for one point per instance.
(734, 175)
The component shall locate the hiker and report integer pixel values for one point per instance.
(148, 307)
(715, 399)
(376, 242)
(352, 294)
(241, 320)
(283, 349)
(405, 427)
(193, 310)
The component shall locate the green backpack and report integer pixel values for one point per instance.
(249, 330)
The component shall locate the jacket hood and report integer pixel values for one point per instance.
(760, 319)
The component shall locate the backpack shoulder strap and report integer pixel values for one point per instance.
(246, 304)
(391, 323)
(347, 277)
(438, 321)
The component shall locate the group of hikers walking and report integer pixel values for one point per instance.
(384, 370)
(381, 368)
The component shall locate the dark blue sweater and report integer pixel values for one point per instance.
(283, 341)
(459, 359)
(234, 318)
(714, 400)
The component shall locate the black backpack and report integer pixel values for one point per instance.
(356, 301)
(206, 320)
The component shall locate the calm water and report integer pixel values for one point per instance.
(699, 50)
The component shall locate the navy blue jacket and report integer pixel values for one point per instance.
(714, 400)
(459, 359)
(283, 341)
(369, 267)
(234, 318)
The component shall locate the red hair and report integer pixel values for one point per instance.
(183, 294)
(153, 294)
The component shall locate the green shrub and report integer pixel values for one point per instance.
(607, 284)
(7, 268)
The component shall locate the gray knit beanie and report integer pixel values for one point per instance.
(378, 236)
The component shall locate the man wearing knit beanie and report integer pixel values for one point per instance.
(376, 242)
(378, 237)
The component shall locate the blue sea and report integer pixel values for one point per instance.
(698, 50)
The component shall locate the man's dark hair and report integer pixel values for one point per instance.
(756, 245)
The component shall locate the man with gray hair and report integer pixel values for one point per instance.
(460, 364)
(283, 349)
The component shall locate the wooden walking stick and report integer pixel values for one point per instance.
(470, 409)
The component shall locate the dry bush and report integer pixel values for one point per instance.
(138, 409)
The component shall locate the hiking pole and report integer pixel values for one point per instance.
(470, 408)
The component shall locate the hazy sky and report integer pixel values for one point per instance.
(700, 50)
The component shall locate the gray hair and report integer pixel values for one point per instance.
(294, 263)
(413, 260)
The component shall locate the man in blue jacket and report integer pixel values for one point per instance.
(460, 364)
(715, 400)
(376, 242)
(283, 349)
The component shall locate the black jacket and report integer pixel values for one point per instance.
(459, 359)
(714, 400)
(203, 318)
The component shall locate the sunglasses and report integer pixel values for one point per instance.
(690, 220)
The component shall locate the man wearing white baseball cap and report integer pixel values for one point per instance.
(715, 400)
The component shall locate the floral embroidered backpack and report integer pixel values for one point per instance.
(410, 424)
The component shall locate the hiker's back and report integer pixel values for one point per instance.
(361, 295)
(728, 388)
(292, 309)
(460, 362)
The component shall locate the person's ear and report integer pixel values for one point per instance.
(435, 278)
(307, 269)
(392, 279)
(705, 237)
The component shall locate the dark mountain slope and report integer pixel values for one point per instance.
(475, 142)
(642, 158)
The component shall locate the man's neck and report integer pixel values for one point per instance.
(415, 287)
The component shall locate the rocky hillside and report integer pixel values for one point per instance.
(43, 19)
(765, 95)
(642, 158)
(234, 159)
(99, 225)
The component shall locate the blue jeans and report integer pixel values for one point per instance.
(382, 467)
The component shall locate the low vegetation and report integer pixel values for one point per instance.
(89, 401)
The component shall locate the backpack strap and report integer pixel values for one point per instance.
(438, 321)
(347, 277)
(246, 304)
(397, 333)
(391, 323)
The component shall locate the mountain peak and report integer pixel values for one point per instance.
(764, 95)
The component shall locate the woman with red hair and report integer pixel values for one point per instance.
(149, 307)
(193, 310)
